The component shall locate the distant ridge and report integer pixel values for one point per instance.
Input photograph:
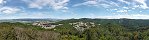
(30, 20)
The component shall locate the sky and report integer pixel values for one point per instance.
(66, 9)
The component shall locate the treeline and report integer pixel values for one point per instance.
(20, 31)
(109, 29)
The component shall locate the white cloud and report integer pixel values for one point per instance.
(122, 11)
(143, 2)
(105, 5)
(90, 2)
(114, 4)
(108, 2)
(133, 8)
(1, 1)
(55, 4)
(9, 10)
(113, 13)
(65, 9)
(97, 3)
(125, 7)
(34, 5)
(140, 11)
(115, 9)
(124, 1)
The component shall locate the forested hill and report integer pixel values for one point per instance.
(128, 23)
(109, 29)
(79, 29)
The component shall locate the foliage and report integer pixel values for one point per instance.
(109, 29)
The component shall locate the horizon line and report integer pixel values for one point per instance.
(70, 18)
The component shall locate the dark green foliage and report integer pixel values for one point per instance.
(110, 29)
(20, 31)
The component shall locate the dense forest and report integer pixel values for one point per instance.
(109, 29)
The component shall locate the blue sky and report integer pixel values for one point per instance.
(64, 9)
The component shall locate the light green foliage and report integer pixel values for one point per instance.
(19, 31)
(110, 29)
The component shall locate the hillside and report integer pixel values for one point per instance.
(79, 29)
(19, 31)
(109, 29)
